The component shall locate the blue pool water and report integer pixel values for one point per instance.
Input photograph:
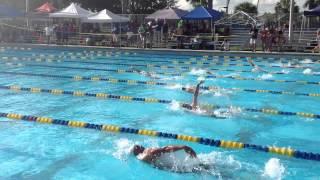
(40, 151)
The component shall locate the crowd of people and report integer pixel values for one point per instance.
(62, 32)
(152, 33)
(270, 37)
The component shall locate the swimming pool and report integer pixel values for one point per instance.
(279, 109)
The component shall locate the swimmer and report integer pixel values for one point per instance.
(144, 73)
(194, 104)
(256, 67)
(151, 155)
(194, 107)
(189, 89)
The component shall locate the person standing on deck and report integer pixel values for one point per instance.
(253, 39)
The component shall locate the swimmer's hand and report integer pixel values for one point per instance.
(190, 151)
(201, 82)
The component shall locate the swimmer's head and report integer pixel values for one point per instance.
(137, 149)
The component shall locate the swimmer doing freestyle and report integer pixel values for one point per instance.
(194, 107)
(169, 158)
(256, 67)
(151, 155)
(144, 73)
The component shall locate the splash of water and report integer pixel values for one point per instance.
(197, 72)
(306, 61)
(274, 169)
(285, 71)
(266, 76)
(307, 71)
(123, 148)
(201, 78)
(175, 86)
(174, 106)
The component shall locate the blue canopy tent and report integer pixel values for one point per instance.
(202, 13)
(9, 12)
(313, 12)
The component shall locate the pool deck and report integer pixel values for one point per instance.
(184, 51)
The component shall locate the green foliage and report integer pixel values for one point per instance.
(206, 3)
(247, 7)
(283, 7)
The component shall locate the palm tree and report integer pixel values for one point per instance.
(207, 3)
(247, 7)
(310, 4)
(282, 10)
(283, 7)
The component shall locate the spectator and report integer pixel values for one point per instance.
(48, 33)
(165, 31)
(253, 39)
(318, 42)
(58, 31)
(65, 34)
(280, 40)
(226, 45)
(269, 40)
(142, 33)
(263, 36)
(115, 32)
(150, 33)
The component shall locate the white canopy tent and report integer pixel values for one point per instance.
(105, 16)
(72, 11)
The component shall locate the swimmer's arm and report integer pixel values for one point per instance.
(195, 95)
(187, 149)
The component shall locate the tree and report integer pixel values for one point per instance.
(283, 7)
(310, 4)
(206, 3)
(247, 7)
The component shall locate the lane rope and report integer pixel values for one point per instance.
(153, 83)
(152, 133)
(193, 62)
(184, 69)
(154, 100)
(176, 74)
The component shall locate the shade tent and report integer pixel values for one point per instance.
(105, 16)
(170, 14)
(46, 8)
(9, 12)
(313, 12)
(202, 13)
(72, 11)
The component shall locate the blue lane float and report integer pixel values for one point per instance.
(289, 152)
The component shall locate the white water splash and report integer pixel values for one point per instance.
(198, 72)
(201, 78)
(169, 78)
(306, 61)
(175, 86)
(285, 71)
(266, 76)
(174, 106)
(307, 71)
(123, 148)
(227, 112)
(274, 169)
